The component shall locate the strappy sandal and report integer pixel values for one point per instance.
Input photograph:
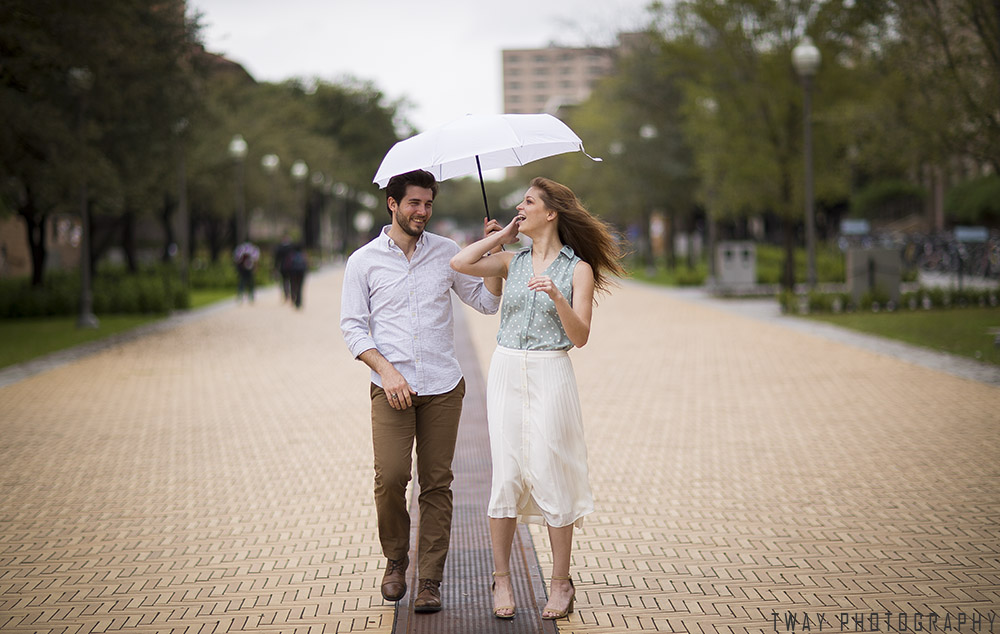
(503, 608)
(554, 615)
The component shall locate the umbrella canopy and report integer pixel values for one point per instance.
(477, 142)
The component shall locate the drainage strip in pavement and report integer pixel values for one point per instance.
(465, 591)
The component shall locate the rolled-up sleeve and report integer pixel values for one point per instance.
(473, 292)
(355, 310)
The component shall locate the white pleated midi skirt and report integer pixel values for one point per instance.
(536, 439)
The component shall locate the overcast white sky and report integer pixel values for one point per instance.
(442, 55)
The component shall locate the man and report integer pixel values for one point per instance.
(281, 257)
(396, 317)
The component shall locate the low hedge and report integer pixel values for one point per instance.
(156, 290)
(920, 299)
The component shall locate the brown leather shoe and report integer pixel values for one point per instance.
(394, 579)
(429, 597)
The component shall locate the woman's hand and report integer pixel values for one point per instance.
(544, 284)
(508, 235)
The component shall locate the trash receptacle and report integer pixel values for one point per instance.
(736, 264)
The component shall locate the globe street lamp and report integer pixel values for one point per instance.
(82, 79)
(805, 59)
(270, 163)
(238, 152)
(299, 172)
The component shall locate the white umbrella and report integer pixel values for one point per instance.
(477, 142)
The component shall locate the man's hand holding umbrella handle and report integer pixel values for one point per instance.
(491, 226)
(493, 284)
(473, 260)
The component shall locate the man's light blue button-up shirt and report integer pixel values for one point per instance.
(403, 309)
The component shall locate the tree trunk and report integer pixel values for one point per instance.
(646, 241)
(35, 229)
(670, 239)
(166, 217)
(128, 241)
(215, 235)
(713, 238)
(788, 273)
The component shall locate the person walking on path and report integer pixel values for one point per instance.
(282, 255)
(245, 257)
(533, 408)
(298, 266)
(396, 317)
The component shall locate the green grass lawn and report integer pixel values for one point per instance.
(25, 339)
(959, 331)
(201, 298)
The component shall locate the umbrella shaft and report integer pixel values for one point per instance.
(483, 186)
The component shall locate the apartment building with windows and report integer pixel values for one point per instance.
(549, 79)
(546, 79)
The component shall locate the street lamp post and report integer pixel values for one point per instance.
(270, 163)
(806, 59)
(82, 79)
(299, 172)
(342, 191)
(238, 152)
(182, 203)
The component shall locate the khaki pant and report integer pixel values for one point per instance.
(432, 422)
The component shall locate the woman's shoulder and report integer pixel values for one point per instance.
(583, 268)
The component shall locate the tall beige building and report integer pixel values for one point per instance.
(546, 79)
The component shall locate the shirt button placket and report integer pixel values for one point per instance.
(414, 326)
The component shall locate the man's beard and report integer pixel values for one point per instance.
(408, 230)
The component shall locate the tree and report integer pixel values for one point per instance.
(742, 101)
(340, 131)
(950, 55)
(632, 121)
(88, 93)
(976, 202)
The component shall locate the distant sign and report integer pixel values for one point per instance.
(972, 234)
(854, 227)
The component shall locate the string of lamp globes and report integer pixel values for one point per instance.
(299, 172)
(270, 163)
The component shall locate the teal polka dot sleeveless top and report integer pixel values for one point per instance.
(528, 319)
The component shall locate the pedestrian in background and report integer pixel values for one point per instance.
(396, 317)
(245, 257)
(298, 266)
(282, 253)
(533, 407)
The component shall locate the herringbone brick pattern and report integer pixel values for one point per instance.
(213, 478)
(217, 477)
(745, 472)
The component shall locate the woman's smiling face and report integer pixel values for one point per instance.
(533, 210)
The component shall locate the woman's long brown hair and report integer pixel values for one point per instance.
(592, 239)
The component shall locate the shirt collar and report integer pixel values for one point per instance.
(565, 250)
(390, 244)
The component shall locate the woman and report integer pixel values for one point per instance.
(536, 429)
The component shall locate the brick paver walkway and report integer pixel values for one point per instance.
(217, 477)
